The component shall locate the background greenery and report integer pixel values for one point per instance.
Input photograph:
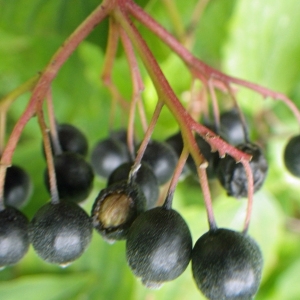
(252, 39)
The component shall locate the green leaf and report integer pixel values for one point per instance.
(48, 18)
(263, 46)
(287, 286)
(213, 23)
(47, 287)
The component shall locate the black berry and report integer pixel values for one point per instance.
(107, 155)
(231, 127)
(115, 208)
(227, 265)
(74, 177)
(162, 159)
(292, 157)
(233, 177)
(60, 232)
(72, 139)
(17, 187)
(158, 246)
(144, 178)
(14, 238)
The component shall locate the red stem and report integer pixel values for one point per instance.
(207, 198)
(53, 126)
(146, 139)
(195, 64)
(175, 178)
(165, 92)
(137, 86)
(214, 100)
(47, 77)
(49, 156)
(249, 175)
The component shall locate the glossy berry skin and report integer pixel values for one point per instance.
(115, 209)
(162, 159)
(227, 265)
(158, 246)
(107, 155)
(17, 187)
(233, 177)
(72, 139)
(14, 238)
(292, 157)
(144, 178)
(61, 232)
(74, 177)
(231, 127)
(119, 135)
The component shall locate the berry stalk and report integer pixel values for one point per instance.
(49, 155)
(146, 139)
(137, 88)
(178, 170)
(106, 75)
(53, 128)
(195, 64)
(43, 83)
(165, 92)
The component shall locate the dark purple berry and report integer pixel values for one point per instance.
(107, 155)
(231, 127)
(115, 208)
(119, 135)
(227, 265)
(17, 187)
(233, 177)
(144, 178)
(292, 155)
(14, 238)
(72, 139)
(158, 246)
(74, 177)
(162, 159)
(61, 232)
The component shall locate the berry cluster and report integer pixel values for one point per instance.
(141, 175)
(226, 264)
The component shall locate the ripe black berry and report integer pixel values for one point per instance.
(14, 239)
(72, 139)
(231, 127)
(233, 177)
(119, 135)
(162, 159)
(227, 265)
(107, 155)
(158, 246)
(115, 208)
(291, 155)
(17, 187)
(144, 178)
(74, 177)
(60, 232)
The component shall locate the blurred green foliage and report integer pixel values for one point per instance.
(252, 39)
